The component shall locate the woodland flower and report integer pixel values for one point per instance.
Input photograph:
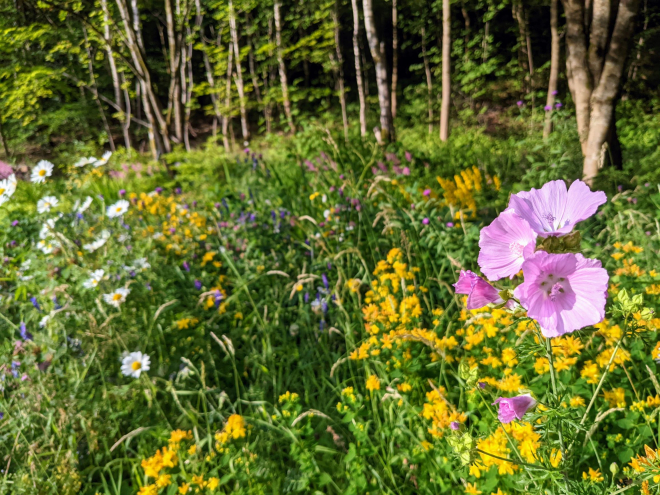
(117, 297)
(46, 203)
(80, 208)
(94, 278)
(93, 246)
(479, 292)
(7, 188)
(43, 169)
(554, 211)
(118, 209)
(134, 364)
(84, 161)
(504, 245)
(563, 292)
(103, 160)
(514, 407)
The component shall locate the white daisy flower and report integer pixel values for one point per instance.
(157, 236)
(118, 209)
(117, 297)
(46, 203)
(84, 161)
(94, 278)
(7, 188)
(47, 229)
(134, 364)
(103, 160)
(80, 208)
(93, 246)
(43, 169)
(48, 247)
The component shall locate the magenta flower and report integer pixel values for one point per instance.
(504, 245)
(479, 292)
(514, 407)
(563, 292)
(552, 210)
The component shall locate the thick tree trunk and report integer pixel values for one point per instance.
(280, 60)
(429, 80)
(377, 49)
(595, 60)
(554, 67)
(340, 70)
(446, 70)
(114, 74)
(239, 72)
(358, 68)
(395, 57)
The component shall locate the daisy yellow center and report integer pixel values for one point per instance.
(116, 297)
(2, 191)
(42, 172)
(118, 209)
(136, 365)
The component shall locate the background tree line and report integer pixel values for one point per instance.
(154, 74)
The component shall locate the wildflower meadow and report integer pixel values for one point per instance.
(330, 325)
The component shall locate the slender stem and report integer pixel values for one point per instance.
(553, 379)
(602, 380)
(521, 463)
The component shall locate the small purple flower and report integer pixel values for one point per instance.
(558, 105)
(514, 407)
(406, 171)
(217, 205)
(177, 190)
(425, 221)
(147, 285)
(648, 232)
(122, 192)
(619, 188)
(341, 177)
(427, 192)
(450, 224)
(306, 297)
(482, 385)
(14, 223)
(547, 108)
(479, 292)
(35, 303)
(455, 425)
(186, 266)
(408, 156)
(321, 325)
(325, 281)
(25, 335)
(159, 190)
(520, 103)
(555, 93)
(198, 285)
(172, 230)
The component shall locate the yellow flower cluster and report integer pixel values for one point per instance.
(233, 430)
(459, 192)
(392, 311)
(185, 323)
(527, 442)
(591, 371)
(564, 352)
(440, 412)
(651, 403)
(650, 462)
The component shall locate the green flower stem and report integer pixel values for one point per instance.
(553, 380)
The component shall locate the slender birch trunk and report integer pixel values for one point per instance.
(175, 62)
(446, 70)
(358, 69)
(377, 48)
(429, 80)
(554, 67)
(227, 120)
(340, 70)
(282, 67)
(239, 72)
(395, 57)
(114, 74)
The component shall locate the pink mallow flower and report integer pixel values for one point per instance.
(514, 408)
(563, 292)
(479, 292)
(552, 210)
(504, 245)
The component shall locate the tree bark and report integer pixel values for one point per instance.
(227, 120)
(554, 67)
(175, 61)
(280, 60)
(92, 83)
(597, 47)
(358, 68)
(239, 72)
(377, 49)
(429, 80)
(395, 57)
(446, 70)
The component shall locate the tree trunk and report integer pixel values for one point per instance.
(92, 83)
(227, 120)
(239, 72)
(114, 73)
(358, 68)
(595, 60)
(525, 43)
(554, 67)
(127, 110)
(446, 70)
(340, 70)
(377, 49)
(176, 82)
(429, 80)
(395, 57)
(282, 67)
